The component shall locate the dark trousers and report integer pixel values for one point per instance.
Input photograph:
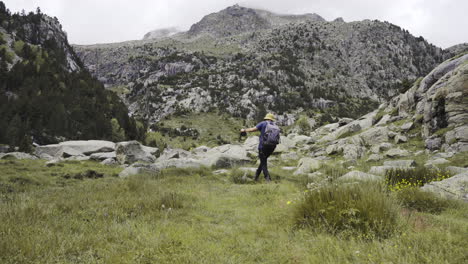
(263, 154)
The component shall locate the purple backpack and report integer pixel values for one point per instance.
(271, 137)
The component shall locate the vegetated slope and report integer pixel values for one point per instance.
(335, 67)
(46, 95)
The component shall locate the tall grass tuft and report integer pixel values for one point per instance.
(364, 210)
(398, 179)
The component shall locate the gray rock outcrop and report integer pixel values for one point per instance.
(132, 151)
(455, 187)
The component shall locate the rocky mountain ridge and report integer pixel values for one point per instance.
(236, 20)
(332, 67)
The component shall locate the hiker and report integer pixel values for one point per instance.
(269, 138)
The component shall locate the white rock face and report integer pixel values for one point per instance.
(455, 187)
(74, 148)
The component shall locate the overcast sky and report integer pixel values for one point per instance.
(442, 22)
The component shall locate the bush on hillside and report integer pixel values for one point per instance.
(362, 210)
(398, 179)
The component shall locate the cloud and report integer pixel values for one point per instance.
(442, 22)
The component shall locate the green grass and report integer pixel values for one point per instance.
(193, 216)
(214, 129)
(416, 199)
(361, 210)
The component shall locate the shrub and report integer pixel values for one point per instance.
(416, 199)
(238, 176)
(303, 124)
(398, 179)
(361, 209)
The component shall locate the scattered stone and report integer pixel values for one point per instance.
(109, 162)
(407, 126)
(247, 169)
(392, 135)
(289, 168)
(381, 147)
(353, 152)
(344, 121)
(138, 168)
(384, 120)
(400, 139)
(17, 155)
(444, 155)
(180, 153)
(433, 163)
(307, 165)
(453, 188)
(433, 143)
(359, 176)
(221, 171)
(201, 149)
(53, 162)
(290, 156)
(103, 156)
(400, 163)
(375, 135)
(334, 149)
(396, 153)
(374, 157)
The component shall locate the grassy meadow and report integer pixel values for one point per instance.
(81, 212)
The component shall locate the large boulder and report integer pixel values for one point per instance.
(184, 163)
(454, 187)
(352, 152)
(180, 153)
(342, 132)
(400, 163)
(307, 165)
(225, 156)
(397, 153)
(103, 156)
(299, 139)
(251, 143)
(375, 135)
(132, 151)
(138, 168)
(74, 148)
(359, 176)
(17, 155)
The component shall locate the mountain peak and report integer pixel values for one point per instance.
(237, 19)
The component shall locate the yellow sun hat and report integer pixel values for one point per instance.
(269, 117)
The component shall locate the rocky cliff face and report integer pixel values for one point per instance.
(281, 63)
(46, 94)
